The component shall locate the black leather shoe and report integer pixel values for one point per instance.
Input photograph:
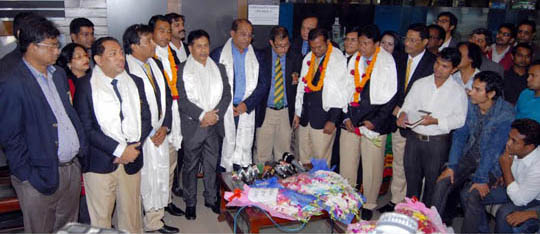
(215, 207)
(174, 210)
(367, 214)
(190, 213)
(387, 208)
(168, 229)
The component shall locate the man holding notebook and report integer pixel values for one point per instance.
(441, 104)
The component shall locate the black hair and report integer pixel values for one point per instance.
(473, 52)
(317, 32)
(440, 30)
(494, 82)
(452, 17)
(66, 55)
(278, 32)
(486, 33)
(530, 129)
(154, 19)
(421, 29)
(354, 29)
(23, 19)
(522, 45)
(510, 27)
(398, 44)
(98, 48)
(370, 31)
(311, 15)
(528, 22)
(196, 34)
(133, 34)
(38, 32)
(172, 17)
(451, 54)
(77, 23)
(236, 22)
(535, 63)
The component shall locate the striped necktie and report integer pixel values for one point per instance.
(278, 87)
(148, 72)
(408, 72)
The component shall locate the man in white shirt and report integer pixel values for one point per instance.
(520, 166)
(471, 59)
(448, 22)
(177, 36)
(435, 106)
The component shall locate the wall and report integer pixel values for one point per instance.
(95, 10)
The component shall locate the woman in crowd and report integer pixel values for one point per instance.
(75, 61)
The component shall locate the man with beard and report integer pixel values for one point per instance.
(501, 51)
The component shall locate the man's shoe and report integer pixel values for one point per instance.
(168, 229)
(174, 210)
(387, 208)
(367, 214)
(215, 207)
(190, 213)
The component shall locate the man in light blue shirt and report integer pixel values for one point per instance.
(528, 104)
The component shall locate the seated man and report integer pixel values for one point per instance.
(525, 220)
(520, 167)
(476, 145)
(528, 103)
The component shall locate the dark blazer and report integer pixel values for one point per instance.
(262, 85)
(11, 59)
(29, 134)
(424, 68)
(189, 112)
(167, 121)
(265, 74)
(296, 48)
(100, 157)
(312, 110)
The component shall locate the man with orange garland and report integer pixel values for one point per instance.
(371, 87)
(162, 36)
(319, 97)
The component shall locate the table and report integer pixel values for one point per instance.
(254, 218)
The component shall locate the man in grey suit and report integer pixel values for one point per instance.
(206, 94)
(482, 38)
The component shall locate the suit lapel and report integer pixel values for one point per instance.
(34, 88)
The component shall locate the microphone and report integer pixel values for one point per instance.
(288, 157)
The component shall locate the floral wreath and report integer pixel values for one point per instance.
(172, 82)
(308, 79)
(359, 84)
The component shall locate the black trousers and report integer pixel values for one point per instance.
(424, 160)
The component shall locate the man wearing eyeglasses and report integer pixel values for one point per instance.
(242, 67)
(526, 31)
(448, 22)
(436, 38)
(501, 51)
(42, 134)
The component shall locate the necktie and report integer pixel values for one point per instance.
(408, 73)
(148, 72)
(278, 87)
(114, 83)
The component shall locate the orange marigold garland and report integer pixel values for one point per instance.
(172, 82)
(359, 84)
(308, 79)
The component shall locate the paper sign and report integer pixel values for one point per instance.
(263, 14)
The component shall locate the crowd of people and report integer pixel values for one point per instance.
(126, 123)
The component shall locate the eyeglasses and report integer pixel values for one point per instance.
(505, 34)
(442, 21)
(244, 34)
(50, 46)
(411, 40)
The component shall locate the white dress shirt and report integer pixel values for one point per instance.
(415, 61)
(180, 52)
(448, 104)
(467, 86)
(446, 44)
(526, 185)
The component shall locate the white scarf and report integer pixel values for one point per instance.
(204, 86)
(238, 142)
(107, 106)
(383, 81)
(333, 92)
(180, 52)
(175, 136)
(154, 176)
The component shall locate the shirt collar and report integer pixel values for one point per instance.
(236, 50)
(418, 56)
(531, 158)
(50, 69)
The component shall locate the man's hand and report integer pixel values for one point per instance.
(400, 122)
(368, 124)
(483, 189)
(131, 153)
(349, 126)
(506, 160)
(295, 76)
(447, 173)
(210, 118)
(396, 111)
(329, 127)
(518, 217)
(429, 120)
(296, 121)
(240, 109)
(159, 136)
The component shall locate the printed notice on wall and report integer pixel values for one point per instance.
(263, 14)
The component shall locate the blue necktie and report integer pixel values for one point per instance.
(114, 83)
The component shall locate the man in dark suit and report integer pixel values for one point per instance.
(274, 114)
(116, 117)
(206, 95)
(418, 64)
(42, 134)
(300, 45)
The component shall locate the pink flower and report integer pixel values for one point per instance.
(359, 89)
(307, 90)
(363, 75)
(304, 79)
(352, 72)
(308, 63)
(354, 104)
(358, 58)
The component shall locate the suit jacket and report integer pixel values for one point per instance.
(189, 112)
(11, 59)
(100, 156)
(453, 42)
(506, 62)
(296, 48)
(29, 134)
(262, 85)
(167, 121)
(424, 68)
(489, 65)
(265, 75)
